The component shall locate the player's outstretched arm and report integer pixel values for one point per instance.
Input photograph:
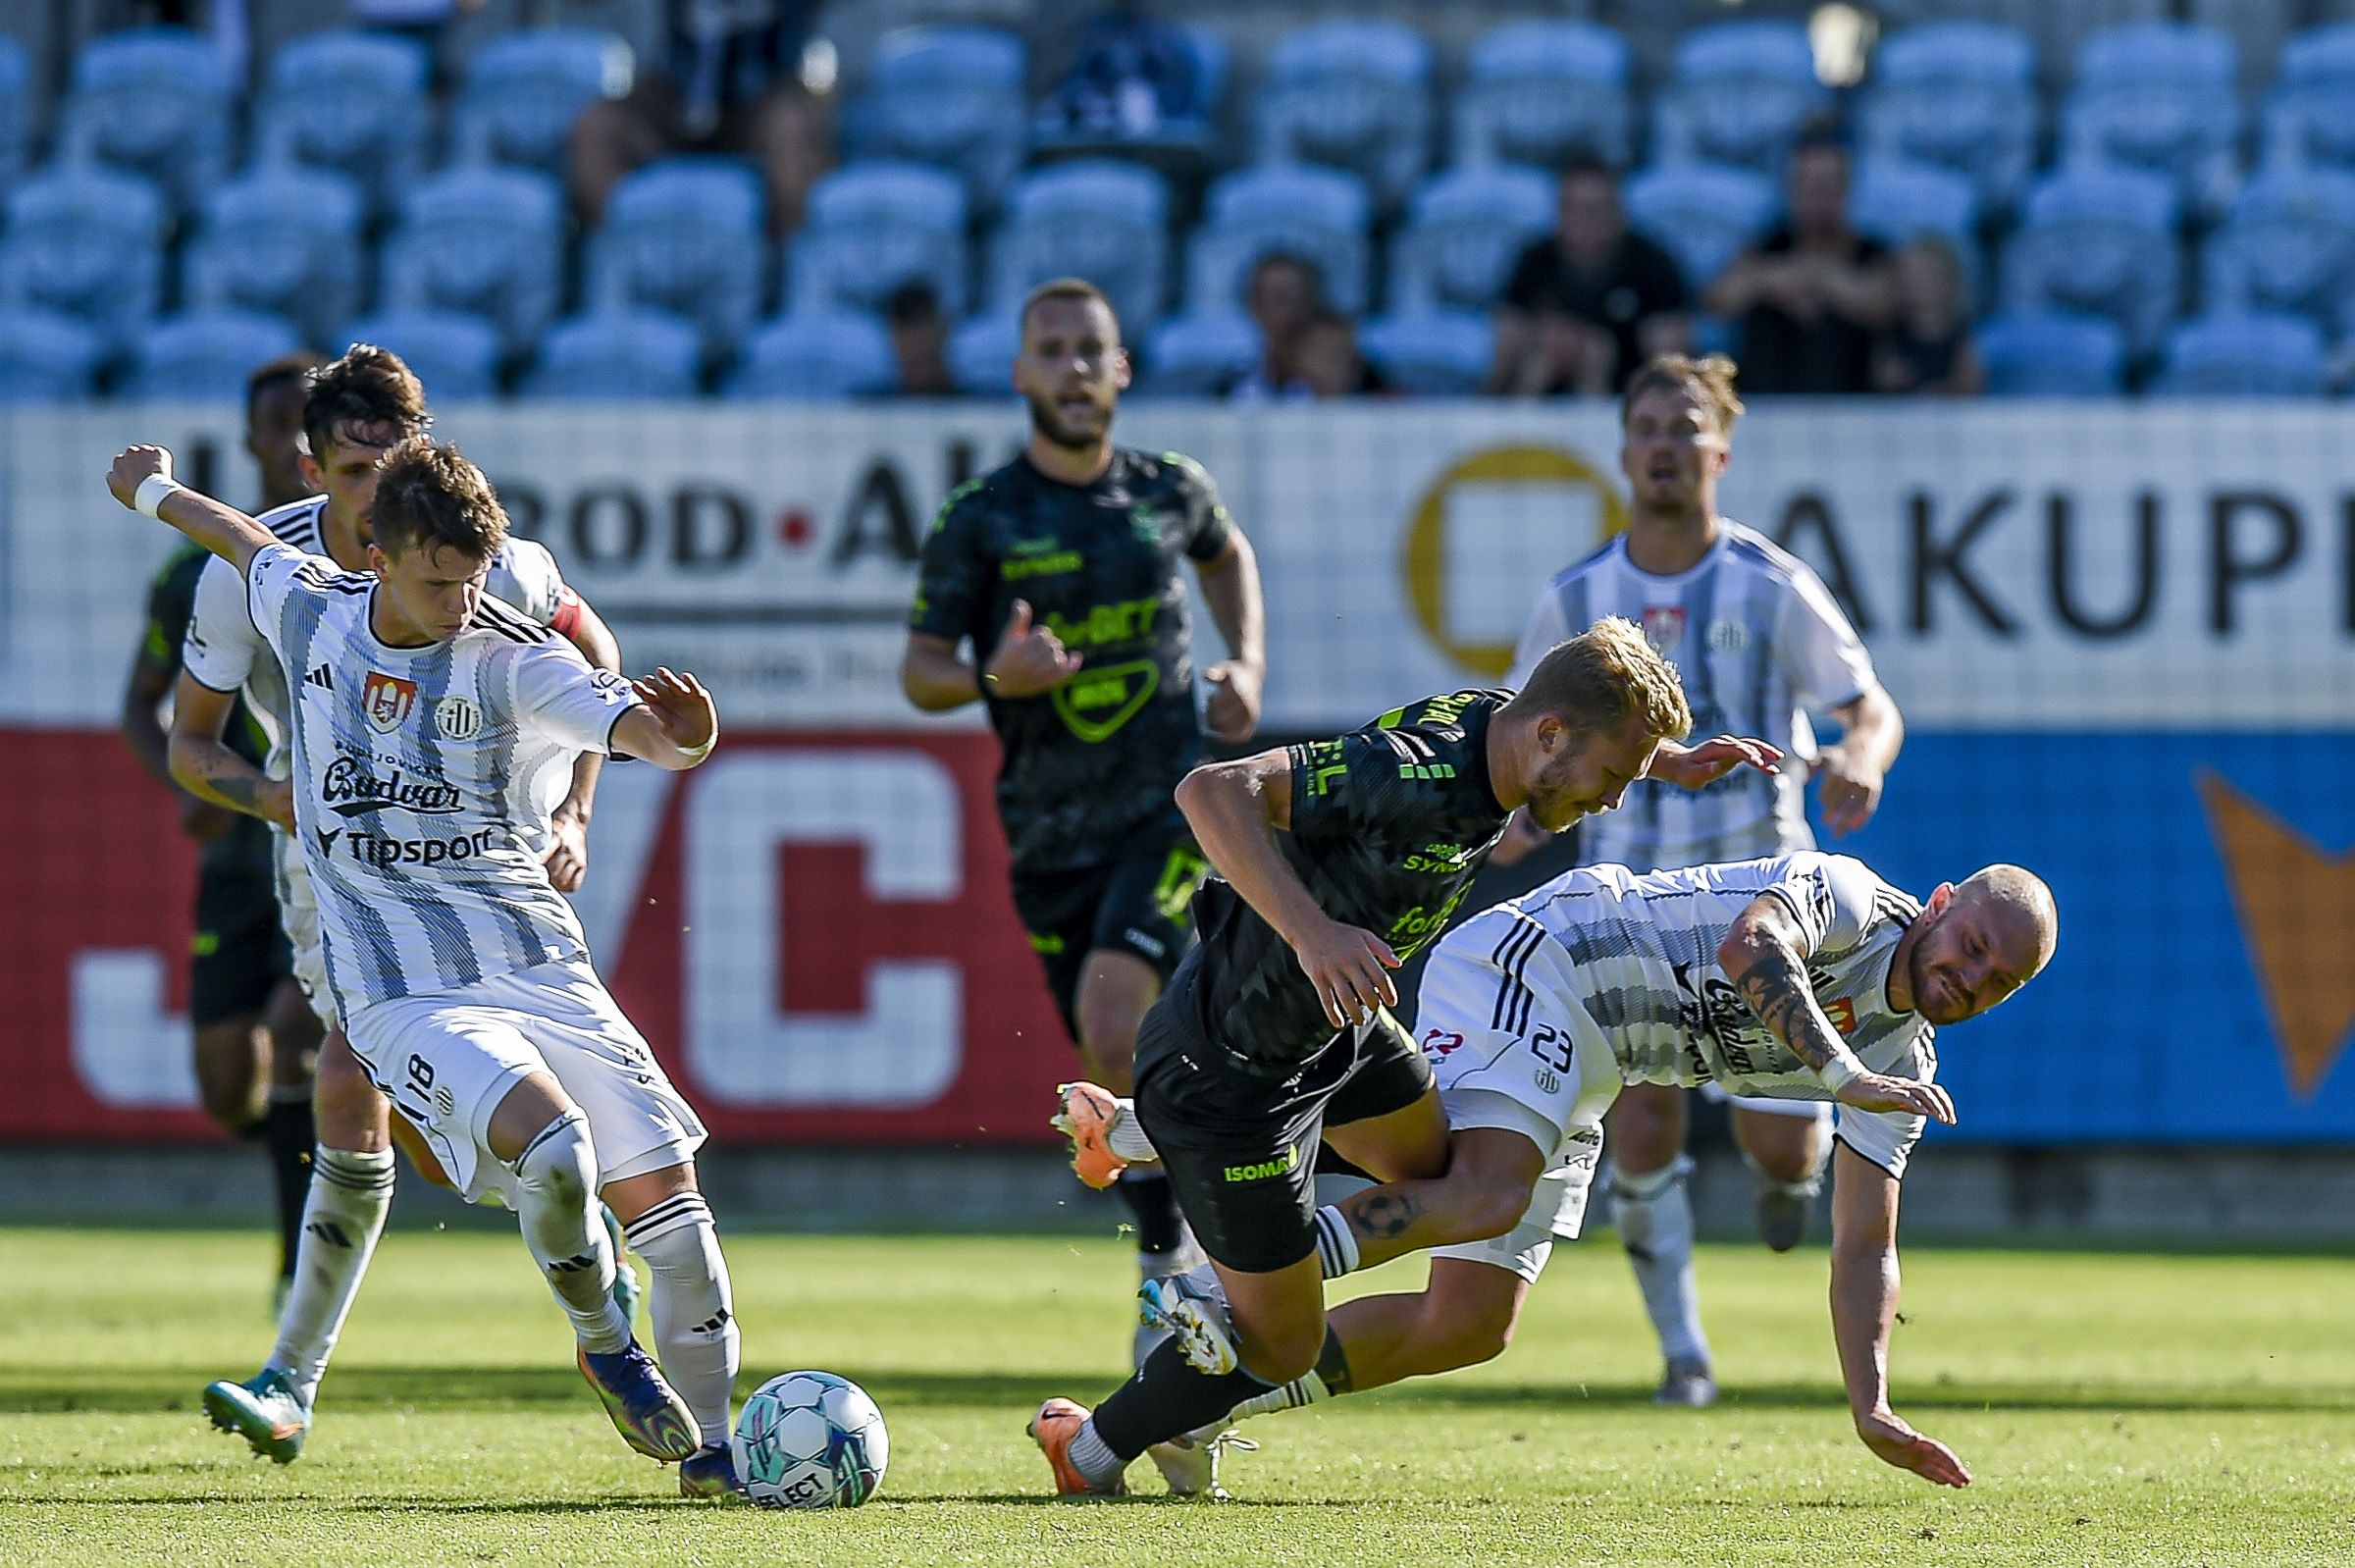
(205, 766)
(676, 728)
(567, 857)
(144, 474)
(1694, 766)
(1850, 774)
(1864, 1285)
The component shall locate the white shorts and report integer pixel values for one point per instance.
(299, 913)
(1768, 1104)
(1525, 1058)
(447, 1060)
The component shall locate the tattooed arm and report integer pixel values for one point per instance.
(204, 765)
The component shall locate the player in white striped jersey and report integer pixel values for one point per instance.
(460, 974)
(1760, 643)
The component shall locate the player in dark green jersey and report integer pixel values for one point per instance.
(254, 1037)
(1063, 573)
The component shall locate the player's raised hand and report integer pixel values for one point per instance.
(134, 465)
(1349, 966)
(1030, 659)
(1692, 766)
(1871, 1091)
(682, 707)
(1894, 1442)
(1232, 709)
(1848, 787)
(567, 857)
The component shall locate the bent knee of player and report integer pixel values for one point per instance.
(526, 1111)
(350, 1112)
(1469, 1325)
(1279, 1347)
(230, 1057)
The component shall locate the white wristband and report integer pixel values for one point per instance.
(696, 754)
(1840, 1071)
(151, 493)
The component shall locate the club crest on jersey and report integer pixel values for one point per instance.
(458, 719)
(1663, 626)
(1843, 1014)
(386, 700)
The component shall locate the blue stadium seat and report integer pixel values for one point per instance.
(1701, 214)
(1895, 201)
(2289, 246)
(485, 240)
(1106, 222)
(872, 227)
(284, 240)
(1433, 355)
(685, 235)
(87, 244)
(522, 92)
(2255, 356)
(354, 102)
(2310, 115)
(1740, 95)
(16, 110)
(1961, 95)
(153, 101)
(1463, 232)
(455, 355)
(1318, 214)
(2159, 96)
(205, 355)
(840, 353)
(1355, 94)
(45, 357)
(616, 356)
(2052, 355)
(1545, 94)
(1199, 355)
(2098, 241)
(1090, 115)
(952, 96)
(982, 355)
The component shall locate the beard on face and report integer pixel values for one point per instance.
(1046, 418)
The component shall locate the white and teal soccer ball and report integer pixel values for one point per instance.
(809, 1440)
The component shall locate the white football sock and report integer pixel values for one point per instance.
(1337, 1243)
(1126, 1135)
(1093, 1457)
(341, 1218)
(696, 1337)
(1307, 1389)
(556, 1201)
(1654, 1217)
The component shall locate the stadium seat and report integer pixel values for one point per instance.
(952, 96)
(684, 236)
(2290, 245)
(455, 355)
(1740, 95)
(1199, 355)
(16, 110)
(1433, 355)
(2159, 96)
(617, 356)
(1320, 215)
(2310, 115)
(522, 93)
(484, 240)
(1701, 214)
(1961, 95)
(152, 101)
(982, 355)
(1106, 222)
(1463, 232)
(284, 240)
(45, 357)
(87, 244)
(1544, 93)
(1085, 116)
(872, 227)
(354, 102)
(2052, 355)
(1355, 94)
(205, 355)
(800, 358)
(2253, 355)
(1894, 202)
(2099, 241)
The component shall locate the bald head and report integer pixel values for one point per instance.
(2020, 908)
(1978, 941)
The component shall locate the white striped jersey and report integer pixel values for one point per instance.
(225, 650)
(1642, 960)
(1758, 640)
(423, 778)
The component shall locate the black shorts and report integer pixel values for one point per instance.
(239, 952)
(1141, 901)
(1240, 1149)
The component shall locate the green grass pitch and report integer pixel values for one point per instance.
(2118, 1408)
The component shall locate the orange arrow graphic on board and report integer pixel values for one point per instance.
(2297, 914)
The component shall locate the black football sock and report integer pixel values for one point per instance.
(1153, 1203)
(288, 1130)
(1167, 1398)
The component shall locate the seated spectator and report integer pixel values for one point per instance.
(1330, 363)
(1587, 305)
(1812, 295)
(731, 84)
(1130, 78)
(1930, 350)
(1285, 296)
(919, 341)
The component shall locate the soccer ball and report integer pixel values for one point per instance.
(809, 1440)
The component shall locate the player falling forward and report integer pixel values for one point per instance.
(353, 412)
(1337, 860)
(460, 974)
(1063, 570)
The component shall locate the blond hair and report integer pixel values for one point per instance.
(1607, 675)
(1707, 381)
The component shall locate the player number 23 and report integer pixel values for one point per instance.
(1550, 1046)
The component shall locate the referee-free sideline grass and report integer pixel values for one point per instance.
(2116, 1408)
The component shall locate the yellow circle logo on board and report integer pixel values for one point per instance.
(1426, 558)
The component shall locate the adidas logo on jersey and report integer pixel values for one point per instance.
(320, 678)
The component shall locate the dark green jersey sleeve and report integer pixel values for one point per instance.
(1210, 526)
(171, 604)
(953, 576)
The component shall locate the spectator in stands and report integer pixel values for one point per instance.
(1588, 304)
(1285, 296)
(1930, 348)
(919, 341)
(1331, 363)
(1813, 295)
(731, 84)
(1129, 77)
